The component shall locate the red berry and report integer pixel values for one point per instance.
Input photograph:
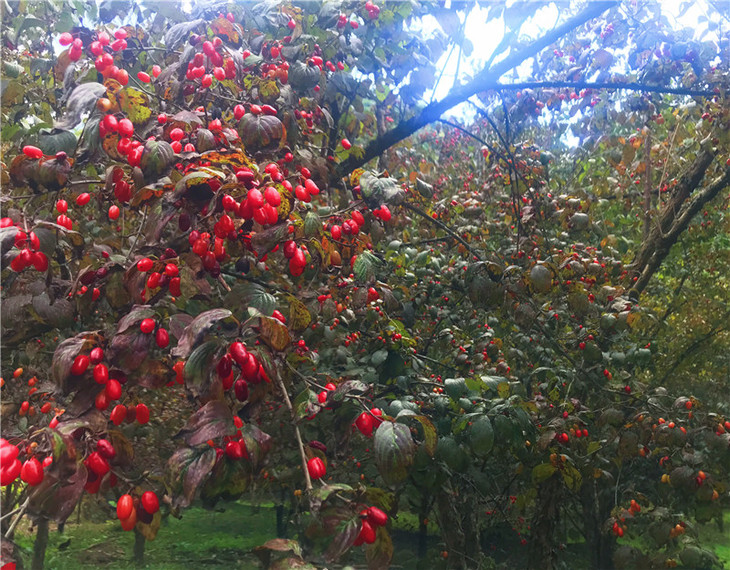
(147, 326)
(32, 151)
(150, 502)
(101, 373)
(125, 507)
(97, 464)
(364, 423)
(80, 364)
(144, 264)
(367, 533)
(376, 517)
(118, 415)
(316, 468)
(113, 389)
(162, 338)
(143, 413)
(105, 449)
(32, 472)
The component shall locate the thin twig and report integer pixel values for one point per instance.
(287, 401)
(444, 227)
(139, 232)
(17, 519)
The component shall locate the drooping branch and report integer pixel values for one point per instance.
(676, 216)
(487, 76)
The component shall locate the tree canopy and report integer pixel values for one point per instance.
(244, 255)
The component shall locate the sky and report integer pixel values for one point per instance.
(486, 35)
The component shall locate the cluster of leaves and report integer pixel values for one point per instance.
(455, 335)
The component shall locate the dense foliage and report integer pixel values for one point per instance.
(242, 257)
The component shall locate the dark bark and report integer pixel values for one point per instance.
(596, 507)
(675, 217)
(542, 555)
(479, 83)
(40, 544)
(139, 543)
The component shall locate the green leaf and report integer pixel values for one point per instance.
(455, 387)
(481, 437)
(365, 265)
(542, 472)
(379, 356)
(394, 451)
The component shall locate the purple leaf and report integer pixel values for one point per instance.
(210, 422)
(194, 332)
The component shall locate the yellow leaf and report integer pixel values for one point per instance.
(299, 317)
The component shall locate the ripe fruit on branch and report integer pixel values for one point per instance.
(147, 326)
(364, 423)
(150, 502)
(125, 507)
(80, 364)
(32, 472)
(376, 517)
(316, 468)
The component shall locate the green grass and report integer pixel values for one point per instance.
(225, 538)
(201, 539)
(719, 541)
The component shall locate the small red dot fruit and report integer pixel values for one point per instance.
(147, 326)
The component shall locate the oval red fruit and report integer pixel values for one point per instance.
(80, 364)
(143, 413)
(316, 468)
(125, 507)
(150, 502)
(32, 151)
(162, 338)
(147, 326)
(32, 472)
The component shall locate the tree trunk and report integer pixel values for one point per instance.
(139, 541)
(596, 509)
(542, 554)
(40, 544)
(423, 530)
(280, 521)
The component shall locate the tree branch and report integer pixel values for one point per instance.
(487, 76)
(444, 227)
(656, 249)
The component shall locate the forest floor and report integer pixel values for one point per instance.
(225, 537)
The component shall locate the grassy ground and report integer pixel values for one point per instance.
(201, 539)
(224, 538)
